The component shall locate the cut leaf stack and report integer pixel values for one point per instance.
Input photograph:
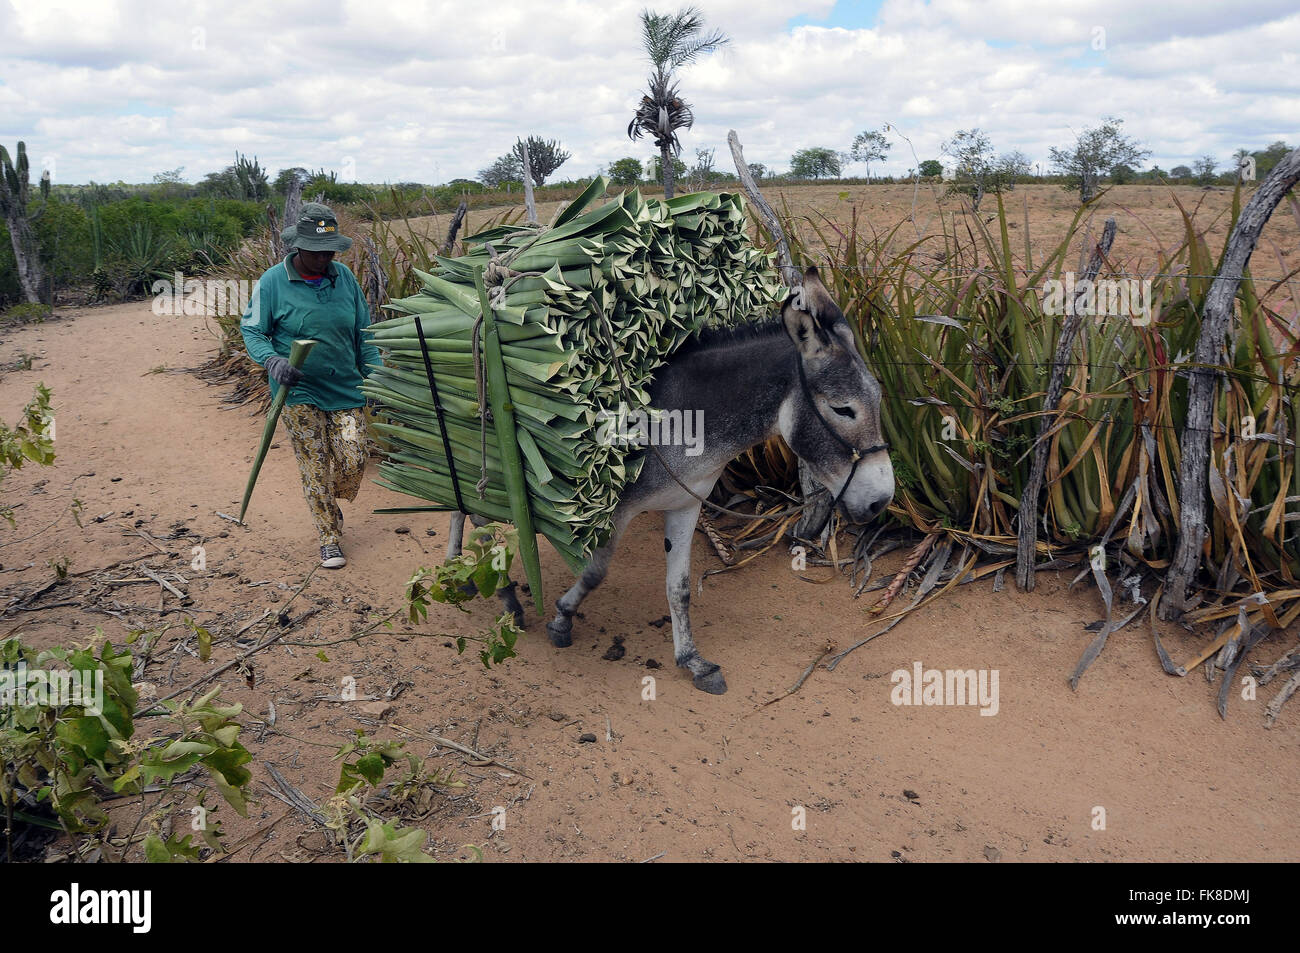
(619, 286)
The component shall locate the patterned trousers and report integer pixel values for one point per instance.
(331, 448)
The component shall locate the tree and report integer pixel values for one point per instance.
(703, 173)
(655, 172)
(507, 168)
(1122, 174)
(1203, 168)
(626, 171)
(868, 147)
(1265, 159)
(15, 193)
(1094, 151)
(815, 163)
(544, 157)
(1180, 172)
(976, 172)
(931, 168)
(1015, 163)
(245, 180)
(286, 177)
(757, 169)
(170, 184)
(1241, 160)
(671, 42)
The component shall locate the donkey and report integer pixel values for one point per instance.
(800, 377)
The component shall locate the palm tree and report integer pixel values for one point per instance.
(670, 42)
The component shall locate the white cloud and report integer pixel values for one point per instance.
(429, 91)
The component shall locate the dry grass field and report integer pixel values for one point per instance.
(1149, 221)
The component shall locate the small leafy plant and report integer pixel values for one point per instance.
(364, 835)
(68, 753)
(482, 568)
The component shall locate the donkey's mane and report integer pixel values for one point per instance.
(714, 338)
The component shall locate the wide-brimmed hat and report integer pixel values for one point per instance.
(318, 230)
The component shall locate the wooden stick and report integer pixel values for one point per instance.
(150, 540)
(529, 204)
(1195, 442)
(802, 678)
(1028, 515)
(449, 245)
(163, 582)
(267, 643)
(817, 499)
(457, 746)
(296, 798)
(789, 273)
(1275, 706)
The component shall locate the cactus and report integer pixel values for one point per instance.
(15, 191)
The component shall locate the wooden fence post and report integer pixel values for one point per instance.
(1215, 323)
(817, 499)
(454, 227)
(529, 204)
(1026, 548)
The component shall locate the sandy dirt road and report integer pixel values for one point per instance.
(687, 775)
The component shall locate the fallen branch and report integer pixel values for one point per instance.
(295, 798)
(220, 670)
(457, 746)
(802, 678)
(1275, 706)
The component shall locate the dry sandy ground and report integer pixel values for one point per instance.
(687, 776)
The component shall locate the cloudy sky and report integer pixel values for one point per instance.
(404, 90)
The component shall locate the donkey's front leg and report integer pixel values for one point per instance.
(679, 529)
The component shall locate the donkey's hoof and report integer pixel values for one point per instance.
(469, 589)
(713, 683)
(519, 619)
(561, 632)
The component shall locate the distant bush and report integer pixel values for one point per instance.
(139, 235)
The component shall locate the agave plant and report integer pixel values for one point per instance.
(963, 351)
(670, 43)
(143, 254)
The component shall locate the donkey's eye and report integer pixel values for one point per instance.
(845, 412)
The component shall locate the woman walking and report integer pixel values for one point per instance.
(309, 295)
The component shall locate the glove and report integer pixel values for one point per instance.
(282, 372)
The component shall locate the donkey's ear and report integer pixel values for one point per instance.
(807, 332)
(818, 300)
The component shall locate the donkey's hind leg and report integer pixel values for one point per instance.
(508, 593)
(679, 529)
(560, 629)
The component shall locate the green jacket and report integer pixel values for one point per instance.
(284, 307)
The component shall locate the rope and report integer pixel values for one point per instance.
(442, 423)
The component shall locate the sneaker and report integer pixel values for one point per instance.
(331, 557)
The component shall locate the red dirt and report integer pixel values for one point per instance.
(688, 775)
